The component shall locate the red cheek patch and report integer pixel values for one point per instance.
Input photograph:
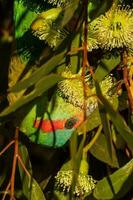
(49, 125)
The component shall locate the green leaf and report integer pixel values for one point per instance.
(93, 121)
(73, 148)
(75, 161)
(69, 12)
(106, 65)
(60, 196)
(98, 7)
(116, 185)
(106, 129)
(43, 85)
(100, 151)
(31, 188)
(75, 58)
(25, 157)
(116, 118)
(38, 74)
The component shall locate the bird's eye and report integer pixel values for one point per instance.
(70, 123)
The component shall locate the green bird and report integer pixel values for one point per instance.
(52, 124)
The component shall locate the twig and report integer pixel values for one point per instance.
(88, 146)
(23, 166)
(5, 149)
(10, 187)
(14, 163)
(125, 77)
(85, 59)
(6, 191)
(74, 50)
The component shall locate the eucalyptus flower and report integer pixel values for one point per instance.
(59, 2)
(45, 28)
(72, 90)
(92, 40)
(85, 183)
(115, 28)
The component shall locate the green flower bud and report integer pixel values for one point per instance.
(84, 167)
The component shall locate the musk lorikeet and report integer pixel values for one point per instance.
(52, 124)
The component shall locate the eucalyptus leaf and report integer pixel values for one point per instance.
(60, 196)
(26, 159)
(116, 185)
(38, 74)
(106, 65)
(75, 58)
(100, 151)
(106, 129)
(69, 12)
(93, 121)
(116, 118)
(98, 7)
(43, 85)
(30, 187)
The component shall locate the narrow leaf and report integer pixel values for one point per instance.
(106, 65)
(31, 188)
(75, 58)
(38, 74)
(116, 185)
(97, 8)
(116, 118)
(100, 151)
(43, 85)
(107, 131)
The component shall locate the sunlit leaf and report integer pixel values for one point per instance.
(93, 121)
(43, 85)
(60, 196)
(117, 119)
(100, 151)
(30, 187)
(70, 11)
(98, 7)
(40, 73)
(106, 129)
(106, 65)
(116, 185)
(75, 57)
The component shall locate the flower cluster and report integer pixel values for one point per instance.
(72, 90)
(115, 28)
(59, 2)
(92, 40)
(112, 30)
(85, 183)
(45, 29)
